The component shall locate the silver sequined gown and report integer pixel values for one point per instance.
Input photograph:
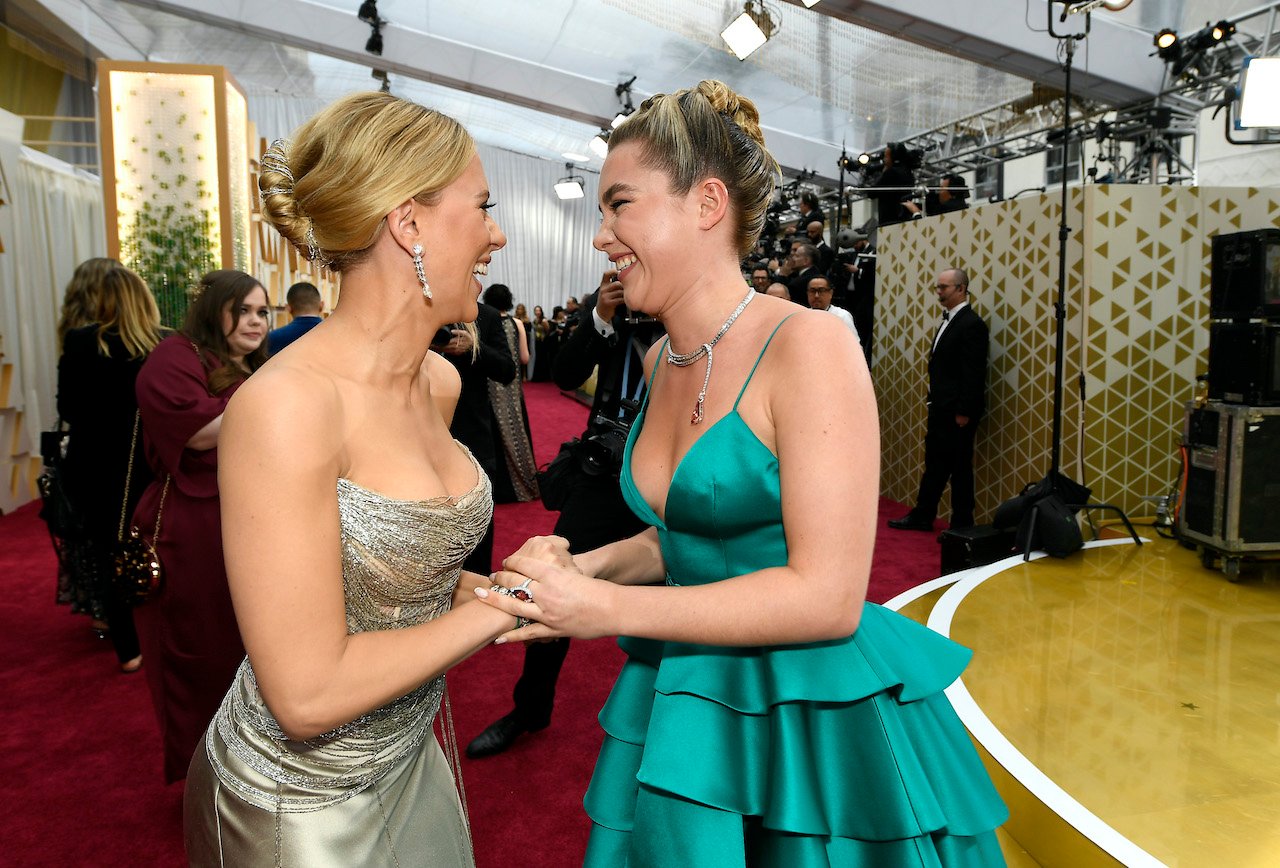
(375, 791)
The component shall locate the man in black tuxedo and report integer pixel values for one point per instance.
(593, 513)
(825, 254)
(804, 264)
(957, 399)
(473, 417)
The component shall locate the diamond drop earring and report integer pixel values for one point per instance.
(422, 275)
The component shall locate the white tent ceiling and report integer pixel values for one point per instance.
(540, 77)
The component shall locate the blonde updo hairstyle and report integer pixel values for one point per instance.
(708, 132)
(329, 191)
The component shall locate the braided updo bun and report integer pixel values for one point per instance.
(703, 132)
(328, 191)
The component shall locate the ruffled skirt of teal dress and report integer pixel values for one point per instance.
(842, 753)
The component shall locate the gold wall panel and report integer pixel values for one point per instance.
(1139, 333)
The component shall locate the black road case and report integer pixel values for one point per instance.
(1231, 502)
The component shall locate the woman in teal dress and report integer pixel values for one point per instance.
(767, 714)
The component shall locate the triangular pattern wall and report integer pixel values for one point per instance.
(1137, 329)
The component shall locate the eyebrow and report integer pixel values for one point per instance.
(614, 189)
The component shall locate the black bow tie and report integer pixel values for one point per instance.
(946, 315)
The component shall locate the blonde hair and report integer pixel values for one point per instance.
(708, 132)
(127, 306)
(329, 191)
(80, 301)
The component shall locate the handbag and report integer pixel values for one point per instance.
(138, 575)
(556, 480)
(56, 508)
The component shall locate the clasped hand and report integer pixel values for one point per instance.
(561, 600)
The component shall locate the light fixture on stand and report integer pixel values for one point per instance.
(1260, 93)
(570, 187)
(369, 15)
(1258, 96)
(381, 75)
(623, 93)
(599, 143)
(750, 30)
(1072, 493)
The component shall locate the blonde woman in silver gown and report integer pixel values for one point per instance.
(348, 509)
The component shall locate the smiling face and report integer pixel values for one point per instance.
(645, 230)
(246, 326)
(459, 242)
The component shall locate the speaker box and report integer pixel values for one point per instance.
(1244, 362)
(1245, 277)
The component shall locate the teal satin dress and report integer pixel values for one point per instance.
(839, 753)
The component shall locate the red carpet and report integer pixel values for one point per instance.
(80, 755)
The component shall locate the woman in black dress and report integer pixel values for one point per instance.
(96, 375)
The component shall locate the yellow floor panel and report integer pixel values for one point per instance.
(1144, 685)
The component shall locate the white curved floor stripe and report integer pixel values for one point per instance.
(1000, 748)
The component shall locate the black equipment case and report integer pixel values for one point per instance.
(977, 546)
(1231, 502)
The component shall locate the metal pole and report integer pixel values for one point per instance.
(1064, 233)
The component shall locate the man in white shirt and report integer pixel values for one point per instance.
(820, 299)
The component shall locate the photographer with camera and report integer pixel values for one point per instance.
(592, 511)
(895, 184)
(856, 270)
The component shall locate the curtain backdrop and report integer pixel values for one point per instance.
(53, 222)
(548, 256)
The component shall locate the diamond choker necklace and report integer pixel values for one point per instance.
(683, 360)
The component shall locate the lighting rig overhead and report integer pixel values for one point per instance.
(1187, 55)
(369, 15)
(570, 187)
(599, 143)
(753, 27)
(623, 93)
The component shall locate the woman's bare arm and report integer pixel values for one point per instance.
(280, 456)
(206, 437)
(827, 436)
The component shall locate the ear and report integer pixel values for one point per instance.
(404, 225)
(712, 202)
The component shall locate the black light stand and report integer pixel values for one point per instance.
(1072, 493)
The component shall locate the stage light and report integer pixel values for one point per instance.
(374, 45)
(749, 30)
(599, 144)
(623, 93)
(381, 75)
(1222, 30)
(368, 12)
(569, 187)
(1260, 93)
(864, 159)
(1165, 40)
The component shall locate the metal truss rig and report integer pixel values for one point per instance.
(1153, 129)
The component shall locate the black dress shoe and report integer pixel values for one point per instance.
(500, 735)
(910, 522)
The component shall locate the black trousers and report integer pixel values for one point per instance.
(948, 457)
(594, 514)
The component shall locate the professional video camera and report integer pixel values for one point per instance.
(600, 453)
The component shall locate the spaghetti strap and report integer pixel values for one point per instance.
(759, 358)
(653, 378)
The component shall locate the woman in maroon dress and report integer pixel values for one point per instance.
(188, 630)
